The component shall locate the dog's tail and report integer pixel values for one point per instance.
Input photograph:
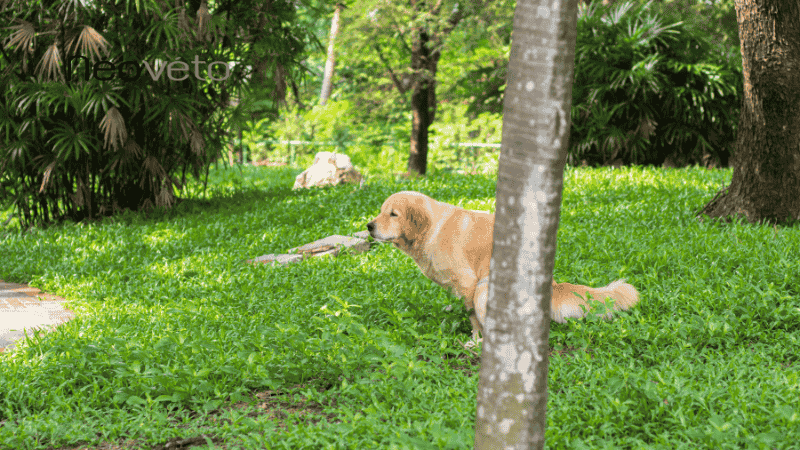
(568, 299)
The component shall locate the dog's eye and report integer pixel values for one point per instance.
(392, 214)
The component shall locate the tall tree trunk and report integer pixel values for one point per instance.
(512, 394)
(766, 164)
(427, 40)
(330, 63)
(423, 100)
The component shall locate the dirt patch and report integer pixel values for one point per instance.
(24, 308)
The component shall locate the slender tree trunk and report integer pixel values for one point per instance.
(427, 40)
(512, 394)
(424, 63)
(330, 63)
(766, 164)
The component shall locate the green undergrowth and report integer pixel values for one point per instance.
(177, 337)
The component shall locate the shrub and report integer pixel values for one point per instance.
(645, 92)
(75, 147)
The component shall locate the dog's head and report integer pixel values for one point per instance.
(404, 219)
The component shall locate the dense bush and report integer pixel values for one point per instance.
(646, 92)
(77, 146)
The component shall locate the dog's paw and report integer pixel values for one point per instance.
(472, 343)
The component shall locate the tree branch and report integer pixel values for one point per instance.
(397, 83)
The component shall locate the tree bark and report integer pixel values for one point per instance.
(423, 100)
(512, 394)
(765, 186)
(425, 54)
(330, 63)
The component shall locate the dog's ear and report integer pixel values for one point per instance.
(419, 219)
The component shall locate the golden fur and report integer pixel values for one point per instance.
(453, 246)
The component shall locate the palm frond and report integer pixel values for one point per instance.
(185, 123)
(46, 177)
(203, 22)
(166, 197)
(154, 167)
(89, 41)
(50, 64)
(132, 149)
(197, 141)
(69, 7)
(113, 126)
(23, 37)
(81, 193)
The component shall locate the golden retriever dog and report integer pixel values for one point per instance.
(453, 247)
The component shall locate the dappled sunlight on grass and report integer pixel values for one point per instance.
(163, 236)
(173, 327)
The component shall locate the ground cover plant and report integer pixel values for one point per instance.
(178, 341)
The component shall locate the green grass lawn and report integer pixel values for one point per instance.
(176, 337)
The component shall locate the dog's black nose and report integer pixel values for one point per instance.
(370, 227)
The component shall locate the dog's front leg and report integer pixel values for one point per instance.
(477, 300)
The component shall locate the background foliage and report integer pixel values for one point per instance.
(76, 148)
(648, 89)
